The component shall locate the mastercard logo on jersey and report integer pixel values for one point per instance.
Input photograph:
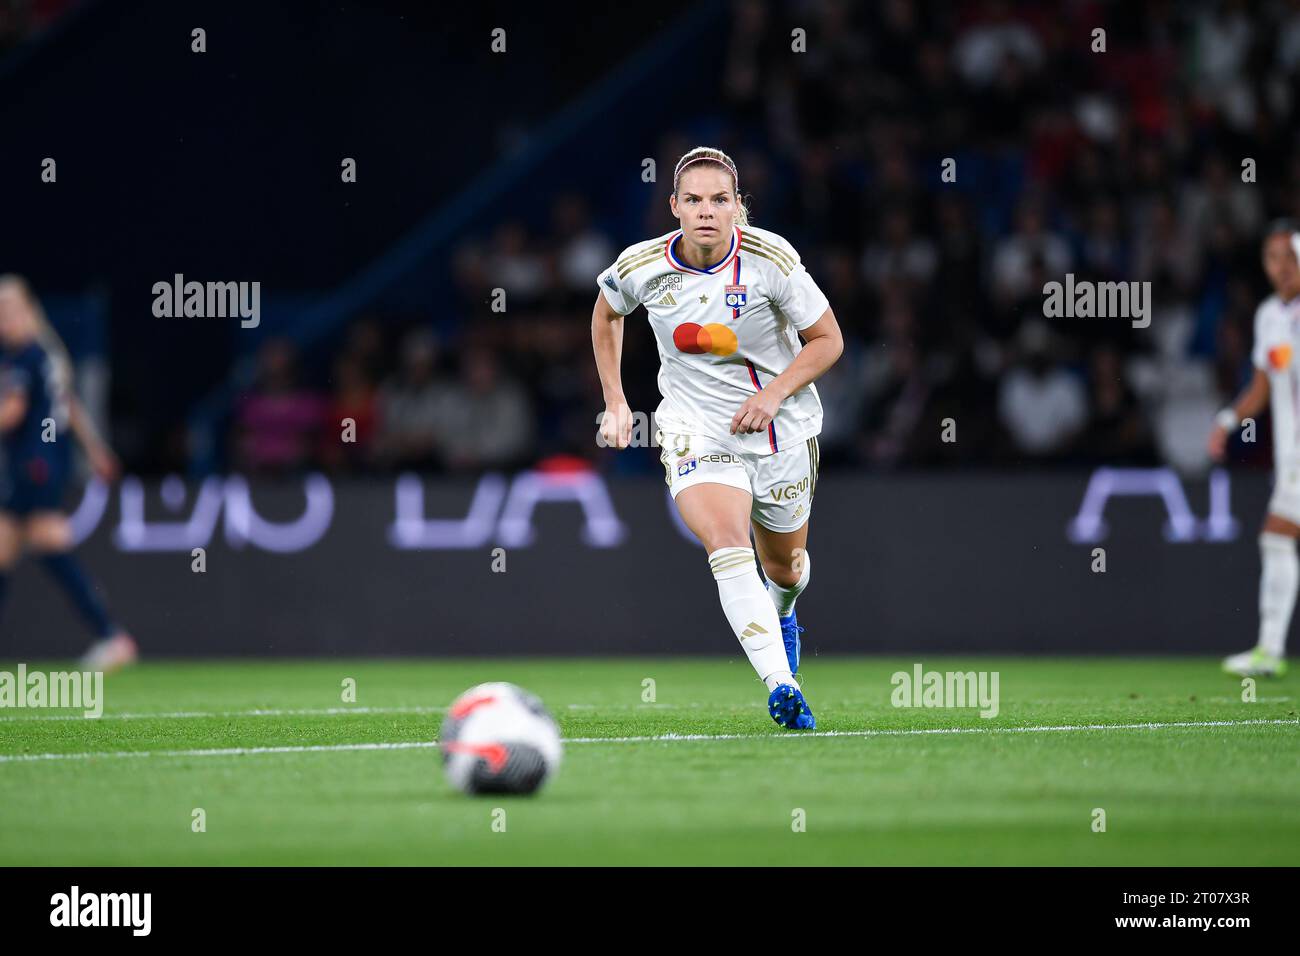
(1279, 357)
(714, 338)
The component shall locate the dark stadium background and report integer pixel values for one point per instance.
(523, 171)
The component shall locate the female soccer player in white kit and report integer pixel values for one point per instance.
(739, 419)
(1277, 377)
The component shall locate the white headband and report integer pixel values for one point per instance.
(735, 176)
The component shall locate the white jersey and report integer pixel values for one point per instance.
(723, 332)
(1277, 329)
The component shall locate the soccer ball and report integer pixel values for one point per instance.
(498, 738)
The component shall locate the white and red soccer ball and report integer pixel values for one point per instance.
(498, 738)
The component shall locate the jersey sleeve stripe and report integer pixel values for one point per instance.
(628, 266)
(654, 247)
(774, 254)
(778, 263)
(640, 250)
(638, 256)
(772, 251)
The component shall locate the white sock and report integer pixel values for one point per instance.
(784, 598)
(1277, 589)
(751, 614)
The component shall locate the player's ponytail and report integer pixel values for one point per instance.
(708, 156)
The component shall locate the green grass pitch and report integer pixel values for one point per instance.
(1212, 781)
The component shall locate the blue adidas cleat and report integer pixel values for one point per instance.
(790, 631)
(789, 709)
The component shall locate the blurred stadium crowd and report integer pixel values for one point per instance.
(1118, 165)
(21, 20)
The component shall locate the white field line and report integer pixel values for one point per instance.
(661, 738)
(338, 711)
(192, 714)
(317, 712)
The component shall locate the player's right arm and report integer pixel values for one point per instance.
(607, 342)
(1254, 398)
(1251, 401)
(617, 298)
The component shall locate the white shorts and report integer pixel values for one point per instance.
(1285, 501)
(782, 483)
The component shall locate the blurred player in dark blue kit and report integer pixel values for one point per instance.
(39, 417)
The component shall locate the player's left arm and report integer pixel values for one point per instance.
(102, 460)
(13, 407)
(14, 400)
(823, 345)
